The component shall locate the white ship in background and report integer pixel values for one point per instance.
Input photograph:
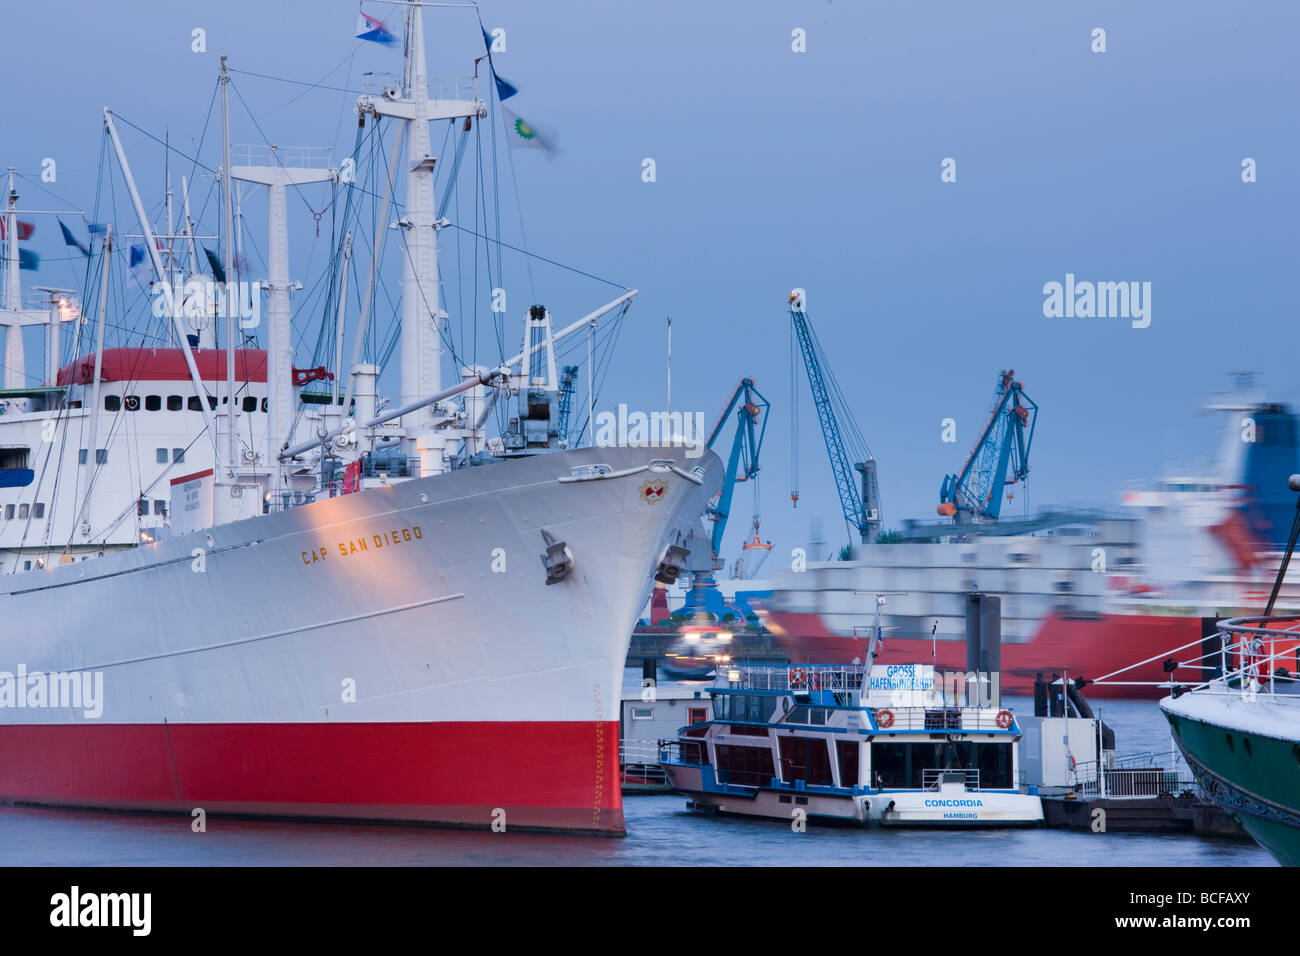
(224, 589)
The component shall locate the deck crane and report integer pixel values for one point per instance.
(1000, 457)
(861, 505)
(567, 379)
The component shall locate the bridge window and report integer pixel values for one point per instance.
(153, 403)
(696, 715)
(132, 403)
(38, 510)
(112, 403)
(250, 403)
(22, 511)
(194, 404)
(642, 713)
(265, 406)
(9, 511)
(14, 457)
(175, 403)
(160, 455)
(212, 402)
(101, 456)
(142, 506)
(178, 455)
(160, 507)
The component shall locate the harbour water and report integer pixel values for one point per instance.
(661, 832)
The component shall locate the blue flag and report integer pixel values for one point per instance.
(95, 228)
(505, 89)
(71, 240)
(369, 28)
(28, 260)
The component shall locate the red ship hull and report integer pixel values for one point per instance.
(460, 774)
(1088, 648)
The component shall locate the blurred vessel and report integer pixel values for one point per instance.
(1085, 592)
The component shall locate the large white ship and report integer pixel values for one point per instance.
(225, 591)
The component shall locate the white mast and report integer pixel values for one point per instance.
(15, 370)
(228, 262)
(276, 175)
(422, 314)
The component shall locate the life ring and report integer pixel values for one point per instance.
(885, 718)
(797, 676)
(1004, 719)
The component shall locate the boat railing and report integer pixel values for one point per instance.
(843, 678)
(944, 718)
(286, 157)
(639, 752)
(442, 86)
(1247, 656)
(935, 779)
(1161, 777)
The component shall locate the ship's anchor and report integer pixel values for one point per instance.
(557, 560)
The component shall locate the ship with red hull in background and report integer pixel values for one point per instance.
(1084, 594)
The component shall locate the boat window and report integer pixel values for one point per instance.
(132, 403)
(817, 715)
(142, 506)
(847, 751)
(212, 402)
(153, 403)
(250, 403)
(9, 511)
(175, 403)
(798, 714)
(22, 511)
(38, 510)
(178, 454)
(160, 455)
(160, 507)
(696, 715)
(194, 404)
(101, 456)
(81, 457)
(695, 752)
(112, 403)
(807, 759)
(642, 713)
(265, 406)
(746, 766)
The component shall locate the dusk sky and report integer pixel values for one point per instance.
(777, 169)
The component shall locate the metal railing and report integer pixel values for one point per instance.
(844, 678)
(934, 779)
(951, 718)
(1254, 655)
(286, 157)
(1145, 774)
(443, 86)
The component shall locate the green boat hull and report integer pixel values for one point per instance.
(1256, 777)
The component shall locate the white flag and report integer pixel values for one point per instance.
(525, 135)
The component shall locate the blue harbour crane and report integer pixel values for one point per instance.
(999, 459)
(847, 450)
(567, 380)
(749, 409)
